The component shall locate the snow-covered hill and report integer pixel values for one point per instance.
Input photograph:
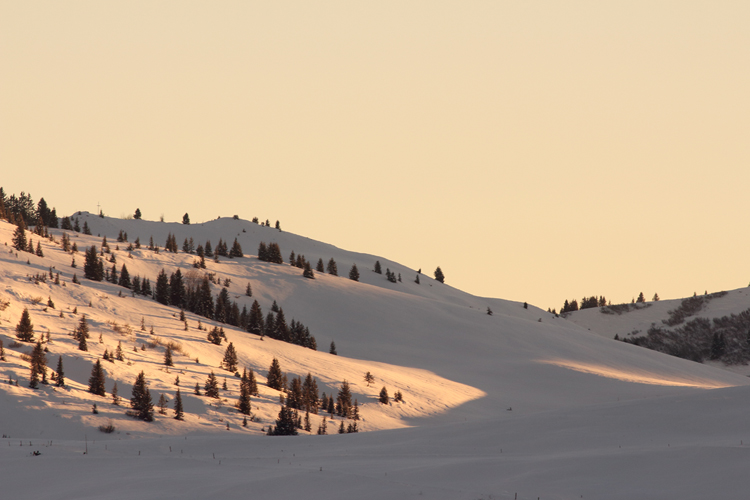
(496, 402)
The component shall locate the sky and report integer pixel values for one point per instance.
(535, 151)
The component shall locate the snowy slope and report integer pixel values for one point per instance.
(550, 389)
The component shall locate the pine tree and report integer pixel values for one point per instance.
(24, 328)
(344, 400)
(369, 378)
(118, 352)
(252, 384)
(285, 423)
(332, 349)
(162, 404)
(641, 298)
(137, 214)
(124, 277)
(243, 405)
(354, 273)
(162, 288)
(236, 249)
(19, 236)
(439, 276)
(39, 251)
(96, 380)
(248, 290)
(255, 322)
(211, 387)
(383, 397)
(82, 333)
(168, 356)
(230, 359)
(656, 297)
(178, 411)
(378, 269)
(2, 349)
(197, 390)
(38, 366)
(274, 378)
(93, 268)
(141, 399)
(308, 272)
(332, 268)
(115, 395)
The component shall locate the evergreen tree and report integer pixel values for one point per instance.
(38, 365)
(113, 275)
(162, 404)
(141, 399)
(248, 290)
(214, 337)
(332, 349)
(19, 236)
(24, 328)
(211, 387)
(332, 268)
(656, 297)
(82, 333)
(252, 384)
(308, 272)
(274, 378)
(197, 389)
(93, 268)
(378, 269)
(323, 427)
(39, 251)
(176, 289)
(178, 411)
(124, 277)
(310, 401)
(354, 273)
(243, 405)
(137, 214)
(320, 267)
(285, 423)
(118, 352)
(186, 219)
(236, 249)
(255, 322)
(162, 288)
(168, 356)
(383, 398)
(344, 400)
(230, 359)
(115, 395)
(641, 298)
(439, 275)
(96, 380)
(369, 378)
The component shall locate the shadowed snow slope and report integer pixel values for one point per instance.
(574, 413)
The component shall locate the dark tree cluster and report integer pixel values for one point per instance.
(270, 253)
(15, 209)
(725, 339)
(171, 245)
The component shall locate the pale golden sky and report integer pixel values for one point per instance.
(536, 151)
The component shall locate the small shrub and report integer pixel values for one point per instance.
(107, 429)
